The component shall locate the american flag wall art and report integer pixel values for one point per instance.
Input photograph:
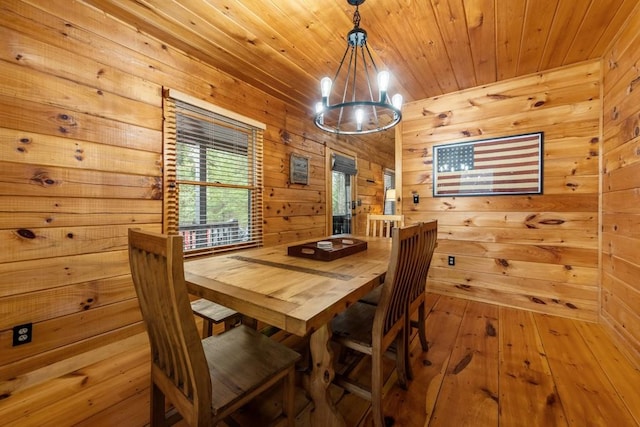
(498, 166)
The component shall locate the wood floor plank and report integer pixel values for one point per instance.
(587, 395)
(469, 393)
(414, 407)
(623, 375)
(528, 397)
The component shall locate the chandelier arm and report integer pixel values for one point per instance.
(373, 63)
(346, 83)
(355, 73)
(340, 66)
(366, 73)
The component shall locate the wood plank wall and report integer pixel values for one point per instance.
(535, 252)
(621, 187)
(80, 163)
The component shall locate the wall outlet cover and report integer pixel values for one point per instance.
(22, 334)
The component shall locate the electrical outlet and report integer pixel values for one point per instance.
(22, 334)
(452, 260)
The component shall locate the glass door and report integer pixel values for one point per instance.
(341, 201)
(341, 191)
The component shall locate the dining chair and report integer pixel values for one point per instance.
(205, 380)
(212, 313)
(381, 225)
(372, 330)
(418, 292)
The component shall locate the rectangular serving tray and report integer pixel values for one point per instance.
(342, 246)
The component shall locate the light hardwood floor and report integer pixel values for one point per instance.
(486, 366)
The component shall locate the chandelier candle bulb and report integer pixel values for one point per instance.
(383, 84)
(325, 88)
(359, 118)
(397, 101)
(319, 111)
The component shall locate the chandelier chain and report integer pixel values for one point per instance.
(356, 18)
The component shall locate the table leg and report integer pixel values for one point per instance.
(325, 413)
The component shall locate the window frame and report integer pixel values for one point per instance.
(172, 100)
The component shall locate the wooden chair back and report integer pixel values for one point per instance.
(381, 225)
(429, 239)
(402, 272)
(179, 367)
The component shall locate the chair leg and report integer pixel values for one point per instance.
(376, 390)
(403, 366)
(377, 385)
(207, 328)
(422, 333)
(157, 406)
(288, 403)
(250, 322)
(230, 323)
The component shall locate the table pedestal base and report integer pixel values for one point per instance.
(322, 374)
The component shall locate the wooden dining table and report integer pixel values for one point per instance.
(296, 294)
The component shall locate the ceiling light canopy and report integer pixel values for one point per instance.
(358, 112)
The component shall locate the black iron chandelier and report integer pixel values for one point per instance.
(358, 112)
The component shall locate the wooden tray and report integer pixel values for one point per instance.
(341, 247)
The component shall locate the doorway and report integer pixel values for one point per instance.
(341, 202)
(342, 193)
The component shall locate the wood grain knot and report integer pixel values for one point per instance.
(497, 96)
(537, 300)
(463, 363)
(551, 399)
(27, 234)
(42, 178)
(490, 329)
(502, 262)
(490, 394)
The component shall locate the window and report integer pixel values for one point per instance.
(389, 179)
(213, 164)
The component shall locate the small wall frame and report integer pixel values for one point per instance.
(299, 169)
(497, 166)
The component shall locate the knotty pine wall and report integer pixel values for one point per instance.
(621, 187)
(535, 252)
(80, 163)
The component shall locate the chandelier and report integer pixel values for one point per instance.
(357, 112)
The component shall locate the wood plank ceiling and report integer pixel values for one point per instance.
(431, 47)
